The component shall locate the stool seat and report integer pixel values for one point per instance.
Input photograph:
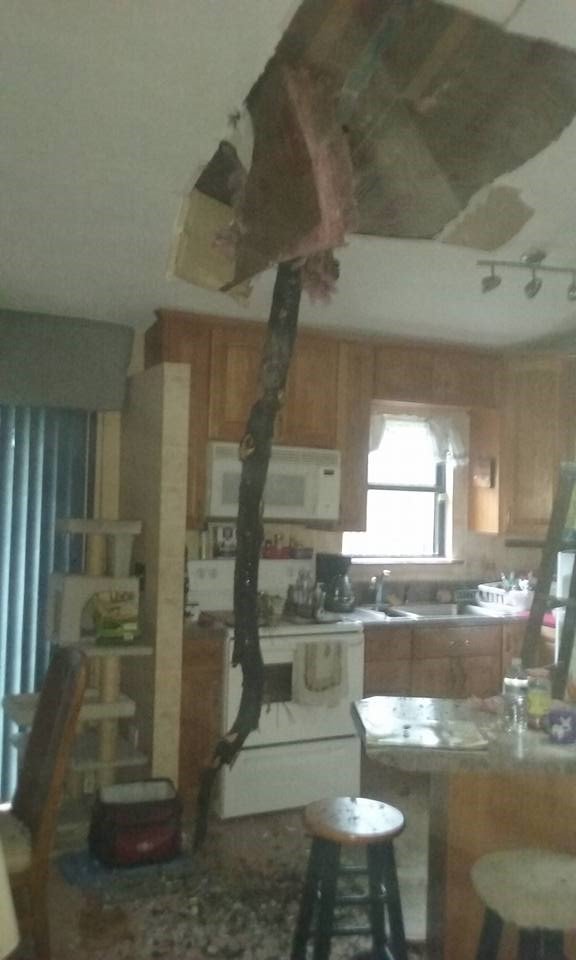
(358, 822)
(530, 888)
(353, 820)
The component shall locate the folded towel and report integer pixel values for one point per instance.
(319, 674)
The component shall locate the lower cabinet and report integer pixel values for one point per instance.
(456, 661)
(447, 661)
(201, 712)
(387, 661)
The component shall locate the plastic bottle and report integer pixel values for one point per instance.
(539, 697)
(515, 691)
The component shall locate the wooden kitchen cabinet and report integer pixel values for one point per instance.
(418, 373)
(201, 710)
(327, 402)
(387, 661)
(539, 431)
(308, 417)
(456, 662)
(484, 470)
(353, 441)
(234, 367)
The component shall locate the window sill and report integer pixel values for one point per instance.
(406, 561)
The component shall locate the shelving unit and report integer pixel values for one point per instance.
(100, 750)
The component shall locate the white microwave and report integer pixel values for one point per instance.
(302, 483)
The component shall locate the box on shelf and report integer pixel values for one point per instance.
(115, 616)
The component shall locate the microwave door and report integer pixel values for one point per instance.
(287, 492)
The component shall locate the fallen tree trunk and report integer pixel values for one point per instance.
(254, 453)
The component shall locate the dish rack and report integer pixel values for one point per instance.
(492, 594)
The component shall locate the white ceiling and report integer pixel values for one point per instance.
(109, 111)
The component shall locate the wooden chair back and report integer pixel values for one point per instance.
(47, 753)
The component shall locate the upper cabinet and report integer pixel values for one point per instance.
(522, 409)
(326, 404)
(234, 367)
(538, 432)
(516, 451)
(308, 417)
(436, 375)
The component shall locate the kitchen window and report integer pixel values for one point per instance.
(413, 454)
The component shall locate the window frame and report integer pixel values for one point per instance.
(440, 502)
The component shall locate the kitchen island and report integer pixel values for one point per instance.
(488, 791)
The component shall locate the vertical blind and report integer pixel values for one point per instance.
(45, 472)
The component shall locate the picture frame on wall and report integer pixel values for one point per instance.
(484, 472)
(223, 539)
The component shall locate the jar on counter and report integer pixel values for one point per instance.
(539, 697)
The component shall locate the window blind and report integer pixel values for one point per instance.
(45, 473)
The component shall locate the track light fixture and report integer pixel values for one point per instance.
(532, 261)
(533, 286)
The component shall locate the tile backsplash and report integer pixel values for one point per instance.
(211, 582)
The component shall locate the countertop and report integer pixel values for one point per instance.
(371, 617)
(403, 732)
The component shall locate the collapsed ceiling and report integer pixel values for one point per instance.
(457, 119)
(383, 118)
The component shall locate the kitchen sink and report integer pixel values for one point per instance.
(379, 610)
(439, 610)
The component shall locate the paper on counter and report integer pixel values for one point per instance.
(455, 735)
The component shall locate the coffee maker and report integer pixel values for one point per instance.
(332, 571)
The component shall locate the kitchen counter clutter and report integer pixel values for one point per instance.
(487, 791)
(429, 735)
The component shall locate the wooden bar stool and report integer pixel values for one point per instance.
(351, 822)
(533, 889)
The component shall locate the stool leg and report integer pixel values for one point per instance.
(375, 863)
(307, 901)
(329, 863)
(395, 917)
(489, 936)
(553, 945)
(541, 945)
(529, 942)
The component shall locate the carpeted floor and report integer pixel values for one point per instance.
(237, 898)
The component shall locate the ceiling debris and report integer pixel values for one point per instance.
(492, 221)
(384, 118)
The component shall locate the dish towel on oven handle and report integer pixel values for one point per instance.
(319, 676)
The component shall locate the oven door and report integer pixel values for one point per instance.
(285, 720)
(274, 778)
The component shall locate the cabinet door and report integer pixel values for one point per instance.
(201, 710)
(480, 676)
(354, 396)
(484, 471)
(540, 410)
(309, 417)
(456, 661)
(234, 371)
(387, 661)
(432, 677)
(436, 375)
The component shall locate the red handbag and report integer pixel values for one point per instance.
(136, 823)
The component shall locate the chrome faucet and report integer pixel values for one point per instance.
(377, 583)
